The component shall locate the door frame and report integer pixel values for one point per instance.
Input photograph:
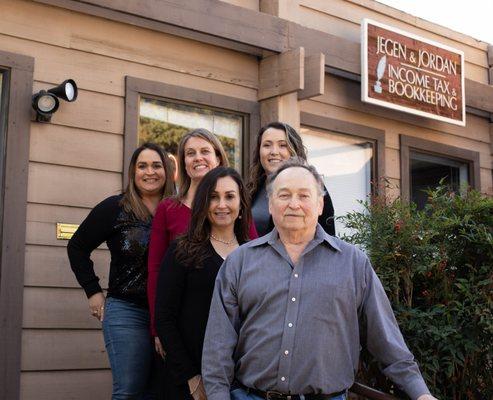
(20, 82)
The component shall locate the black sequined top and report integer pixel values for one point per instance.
(127, 239)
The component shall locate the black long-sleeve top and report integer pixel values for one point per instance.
(263, 219)
(182, 308)
(127, 238)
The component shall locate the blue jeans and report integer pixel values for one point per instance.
(129, 347)
(240, 394)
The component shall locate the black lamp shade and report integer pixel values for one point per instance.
(67, 90)
(45, 103)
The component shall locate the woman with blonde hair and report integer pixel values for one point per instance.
(199, 151)
(124, 223)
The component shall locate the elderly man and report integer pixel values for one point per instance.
(288, 308)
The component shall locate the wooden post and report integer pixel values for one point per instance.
(314, 76)
(283, 108)
(285, 79)
(281, 74)
(281, 77)
(491, 141)
(280, 8)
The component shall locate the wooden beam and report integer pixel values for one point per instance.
(269, 7)
(479, 95)
(206, 20)
(281, 74)
(226, 25)
(340, 53)
(284, 108)
(222, 24)
(314, 76)
(279, 8)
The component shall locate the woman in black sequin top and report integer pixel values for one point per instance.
(124, 223)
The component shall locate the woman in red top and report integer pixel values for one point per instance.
(199, 151)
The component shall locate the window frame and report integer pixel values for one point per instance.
(411, 143)
(16, 163)
(377, 136)
(135, 88)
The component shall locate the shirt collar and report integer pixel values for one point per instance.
(320, 236)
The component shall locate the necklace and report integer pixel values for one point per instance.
(226, 242)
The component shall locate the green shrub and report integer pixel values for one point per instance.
(437, 268)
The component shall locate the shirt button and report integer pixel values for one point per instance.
(293, 299)
(283, 378)
(286, 352)
(295, 275)
(290, 325)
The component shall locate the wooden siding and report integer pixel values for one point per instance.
(73, 385)
(47, 266)
(62, 349)
(343, 18)
(250, 4)
(77, 160)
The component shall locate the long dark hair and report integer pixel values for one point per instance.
(191, 248)
(132, 200)
(184, 180)
(257, 174)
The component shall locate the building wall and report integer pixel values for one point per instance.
(76, 161)
(342, 101)
(343, 17)
(342, 97)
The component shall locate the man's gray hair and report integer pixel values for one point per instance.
(296, 162)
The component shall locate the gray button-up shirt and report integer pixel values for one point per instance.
(292, 328)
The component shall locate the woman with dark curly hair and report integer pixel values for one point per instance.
(220, 222)
(277, 142)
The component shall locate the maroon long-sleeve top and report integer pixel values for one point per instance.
(171, 220)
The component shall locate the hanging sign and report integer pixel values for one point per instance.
(409, 73)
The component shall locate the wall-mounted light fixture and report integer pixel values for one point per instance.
(46, 102)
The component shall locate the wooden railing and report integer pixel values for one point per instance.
(370, 393)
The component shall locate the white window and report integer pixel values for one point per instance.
(165, 122)
(346, 163)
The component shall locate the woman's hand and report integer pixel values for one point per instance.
(159, 347)
(96, 305)
(197, 389)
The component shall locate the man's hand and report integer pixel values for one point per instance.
(96, 305)
(197, 389)
(426, 397)
(159, 347)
